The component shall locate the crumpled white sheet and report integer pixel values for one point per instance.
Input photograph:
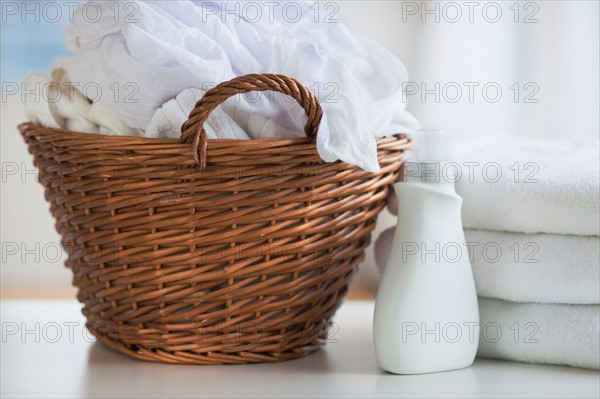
(177, 45)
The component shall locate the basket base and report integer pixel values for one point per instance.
(206, 358)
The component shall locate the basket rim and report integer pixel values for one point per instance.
(398, 141)
(74, 133)
(106, 137)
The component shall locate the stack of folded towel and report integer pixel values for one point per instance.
(531, 212)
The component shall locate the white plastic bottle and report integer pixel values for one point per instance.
(426, 314)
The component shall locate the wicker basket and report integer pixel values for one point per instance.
(211, 251)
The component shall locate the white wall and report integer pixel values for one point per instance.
(558, 55)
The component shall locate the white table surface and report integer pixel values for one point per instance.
(57, 358)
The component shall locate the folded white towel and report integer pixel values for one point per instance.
(89, 117)
(228, 121)
(176, 45)
(545, 186)
(539, 333)
(59, 105)
(544, 268)
(38, 108)
(167, 120)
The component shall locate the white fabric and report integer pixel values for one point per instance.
(226, 122)
(57, 104)
(168, 119)
(38, 108)
(70, 103)
(548, 269)
(539, 333)
(176, 45)
(556, 189)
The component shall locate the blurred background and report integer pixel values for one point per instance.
(476, 68)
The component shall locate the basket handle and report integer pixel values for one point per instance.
(193, 132)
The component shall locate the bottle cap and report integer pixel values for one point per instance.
(429, 145)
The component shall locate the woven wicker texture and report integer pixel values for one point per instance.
(211, 251)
